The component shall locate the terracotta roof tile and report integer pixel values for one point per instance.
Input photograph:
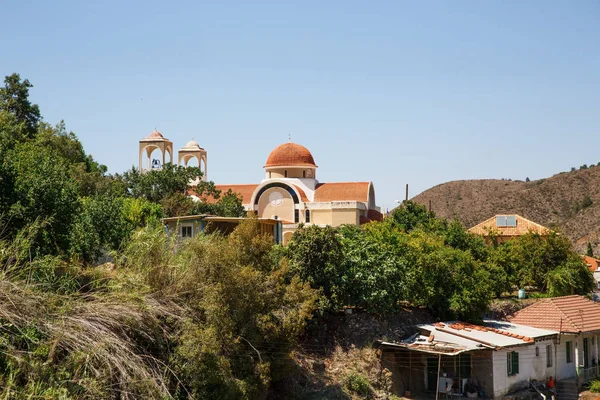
(290, 154)
(571, 314)
(302, 194)
(592, 263)
(245, 191)
(342, 191)
(523, 226)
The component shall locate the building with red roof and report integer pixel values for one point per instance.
(577, 320)
(291, 193)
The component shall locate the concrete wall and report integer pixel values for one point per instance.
(321, 217)
(565, 370)
(174, 227)
(345, 216)
(530, 367)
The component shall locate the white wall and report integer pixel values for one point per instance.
(530, 367)
(564, 370)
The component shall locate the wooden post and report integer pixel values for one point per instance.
(437, 385)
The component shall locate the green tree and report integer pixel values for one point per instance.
(590, 251)
(316, 257)
(14, 98)
(410, 215)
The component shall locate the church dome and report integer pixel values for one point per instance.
(154, 136)
(191, 145)
(290, 155)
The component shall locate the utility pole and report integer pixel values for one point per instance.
(406, 193)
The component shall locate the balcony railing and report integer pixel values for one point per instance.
(587, 374)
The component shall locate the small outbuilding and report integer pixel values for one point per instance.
(191, 225)
(462, 359)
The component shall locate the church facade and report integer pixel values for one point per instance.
(290, 191)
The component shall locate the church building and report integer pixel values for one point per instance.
(289, 192)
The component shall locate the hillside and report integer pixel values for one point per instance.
(568, 201)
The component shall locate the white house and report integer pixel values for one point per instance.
(577, 321)
(455, 357)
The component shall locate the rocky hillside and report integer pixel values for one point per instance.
(568, 201)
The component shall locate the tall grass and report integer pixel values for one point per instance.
(212, 317)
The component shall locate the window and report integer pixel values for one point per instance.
(304, 174)
(537, 351)
(569, 349)
(549, 355)
(186, 231)
(285, 173)
(269, 174)
(307, 216)
(296, 216)
(598, 285)
(512, 363)
(506, 220)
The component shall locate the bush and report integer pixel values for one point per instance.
(358, 384)
(595, 386)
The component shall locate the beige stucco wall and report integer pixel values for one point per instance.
(291, 173)
(345, 216)
(287, 235)
(283, 211)
(321, 217)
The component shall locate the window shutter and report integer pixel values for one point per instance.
(508, 363)
(515, 360)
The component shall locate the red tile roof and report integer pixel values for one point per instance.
(245, 191)
(570, 314)
(592, 263)
(342, 191)
(523, 226)
(302, 194)
(290, 154)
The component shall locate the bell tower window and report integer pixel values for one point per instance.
(285, 173)
(304, 174)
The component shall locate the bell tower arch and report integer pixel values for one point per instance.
(190, 151)
(150, 143)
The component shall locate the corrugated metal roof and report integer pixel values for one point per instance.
(455, 337)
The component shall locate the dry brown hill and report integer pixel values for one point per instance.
(569, 202)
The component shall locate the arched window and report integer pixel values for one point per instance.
(307, 216)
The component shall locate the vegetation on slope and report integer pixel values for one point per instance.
(209, 317)
(568, 202)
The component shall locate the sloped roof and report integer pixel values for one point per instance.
(523, 227)
(342, 191)
(592, 263)
(456, 337)
(570, 314)
(245, 191)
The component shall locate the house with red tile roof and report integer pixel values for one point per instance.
(577, 321)
(593, 265)
(505, 227)
(457, 358)
(292, 194)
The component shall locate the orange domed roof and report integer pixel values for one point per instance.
(289, 155)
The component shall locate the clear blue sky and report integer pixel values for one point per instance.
(395, 92)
